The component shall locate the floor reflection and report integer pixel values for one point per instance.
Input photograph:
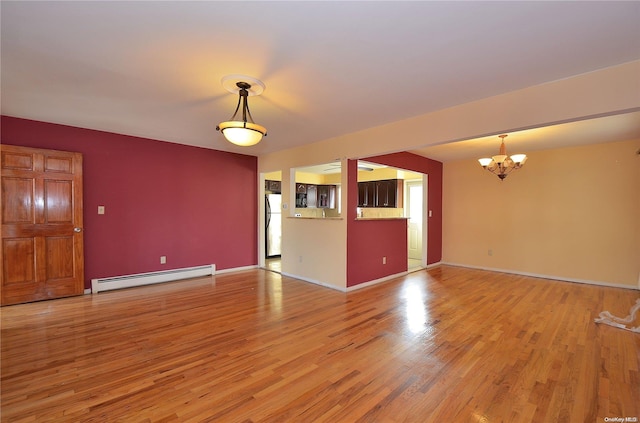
(415, 308)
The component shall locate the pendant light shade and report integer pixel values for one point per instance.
(501, 164)
(242, 132)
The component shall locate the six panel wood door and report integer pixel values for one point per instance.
(42, 242)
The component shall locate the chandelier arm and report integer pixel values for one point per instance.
(507, 166)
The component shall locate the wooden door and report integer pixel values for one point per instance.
(41, 208)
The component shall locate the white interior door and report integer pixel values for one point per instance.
(415, 213)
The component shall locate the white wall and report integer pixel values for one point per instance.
(314, 250)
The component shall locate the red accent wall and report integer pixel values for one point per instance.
(369, 241)
(196, 206)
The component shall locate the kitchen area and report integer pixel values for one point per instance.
(383, 193)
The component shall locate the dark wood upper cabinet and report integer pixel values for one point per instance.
(385, 193)
(274, 187)
(312, 196)
(315, 196)
(327, 196)
(366, 194)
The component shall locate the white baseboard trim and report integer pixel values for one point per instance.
(537, 275)
(236, 269)
(313, 281)
(350, 288)
(361, 285)
(376, 281)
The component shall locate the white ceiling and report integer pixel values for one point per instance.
(153, 69)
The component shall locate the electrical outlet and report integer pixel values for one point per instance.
(299, 259)
(163, 259)
(100, 209)
(384, 260)
(490, 252)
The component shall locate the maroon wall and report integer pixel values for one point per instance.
(433, 168)
(196, 206)
(370, 240)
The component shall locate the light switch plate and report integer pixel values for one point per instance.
(100, 209)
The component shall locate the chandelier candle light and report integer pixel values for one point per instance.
(501, 165)
(243, 132)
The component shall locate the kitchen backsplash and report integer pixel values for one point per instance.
(316, 212)
(363, 212)
(375, 213)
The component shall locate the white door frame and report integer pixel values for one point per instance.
(423, 214)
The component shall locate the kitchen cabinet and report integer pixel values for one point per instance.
(301, 195)
(312, 196)
(327, 196)
(366, 194)
(385, 193)
(315, 196)
(274, 187)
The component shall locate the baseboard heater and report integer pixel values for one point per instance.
(128, 281)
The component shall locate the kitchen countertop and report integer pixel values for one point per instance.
(315, 218)
(382, 218)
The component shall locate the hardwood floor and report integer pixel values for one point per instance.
(441, 345)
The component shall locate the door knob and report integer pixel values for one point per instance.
(77, 229)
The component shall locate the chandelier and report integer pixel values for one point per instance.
(501, 165)
(243, 132)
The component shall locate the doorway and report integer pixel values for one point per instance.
(414, 211)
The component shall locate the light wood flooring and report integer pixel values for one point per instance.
(273, 264)
(440, 345)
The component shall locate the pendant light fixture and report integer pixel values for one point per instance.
(501, 165)
(242, 132)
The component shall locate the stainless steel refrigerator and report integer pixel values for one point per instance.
(273, 224)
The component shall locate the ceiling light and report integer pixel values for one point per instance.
(242, 132)
(501, 165)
